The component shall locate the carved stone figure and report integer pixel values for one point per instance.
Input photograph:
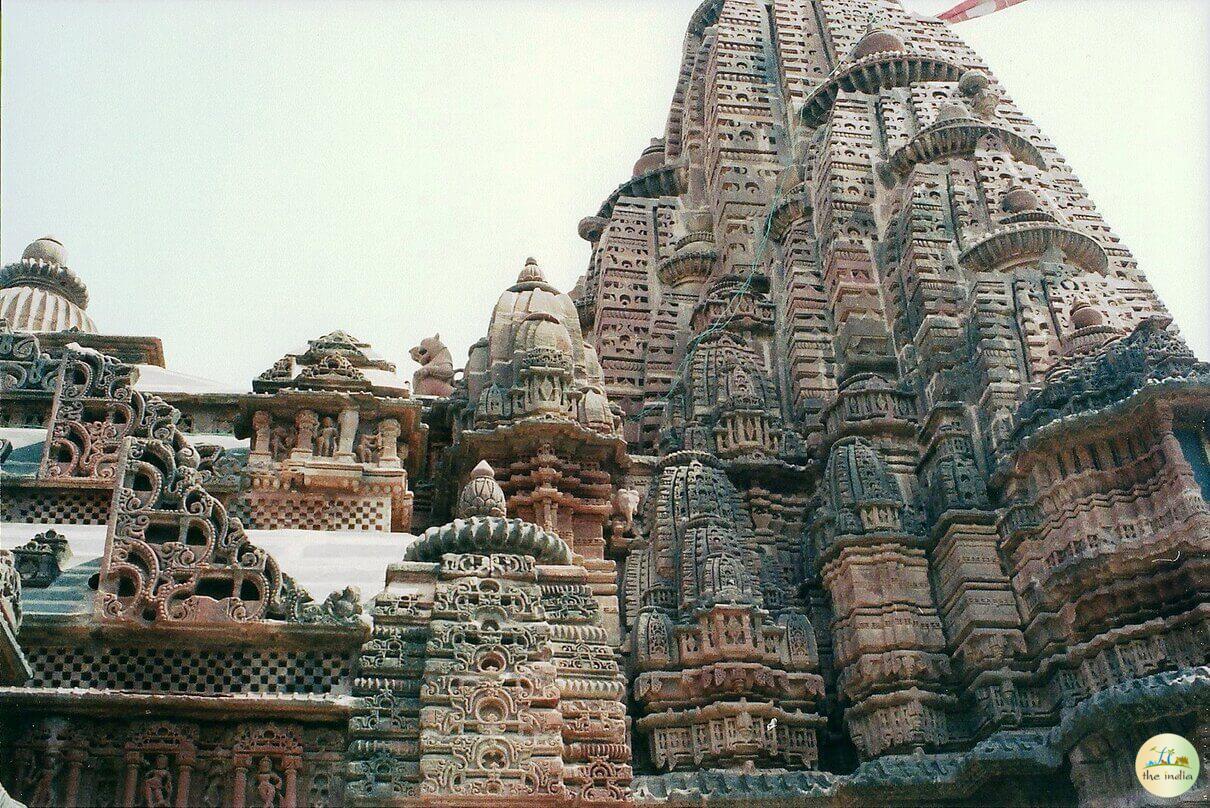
(157, 784)
(281, 441)
(368, 447)
(436, 371)
(625, 504)
(344, 605)
(268, 784)
(328, 438)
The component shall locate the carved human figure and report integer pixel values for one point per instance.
(157, 784)
(367, 447)
(436, 369)
(329, 436)
(268, 784)
(744, 727)
(281, 440)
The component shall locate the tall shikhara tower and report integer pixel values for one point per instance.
(924, 457)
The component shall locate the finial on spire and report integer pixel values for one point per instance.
(875, 41)
(482, 495)
(531, 273)
(1020, 199)
(48, 250)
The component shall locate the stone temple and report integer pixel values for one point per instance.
(861, 467)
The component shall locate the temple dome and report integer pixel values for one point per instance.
(534, 361)
(531, 294)
(40, 293)
(482, 495)
(28, 308)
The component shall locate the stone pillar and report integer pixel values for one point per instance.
(133, 759)
(240, 783)
(348, 434)
(75, 760)
(184, 774)
(388, 437)
(290, 790)
(304, 446)
(261, 423)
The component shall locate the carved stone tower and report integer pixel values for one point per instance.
(845, 303)
(489, 679)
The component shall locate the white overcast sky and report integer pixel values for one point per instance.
(238, 177)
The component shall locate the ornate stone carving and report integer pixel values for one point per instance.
(905, 466)
(482, 496)
(38, 560)
(435, 375)
(493, 685)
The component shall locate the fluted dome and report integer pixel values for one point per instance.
(534, 362)
(531, 272)
(543, 332)
(27, 308)
(531, 294)
(40, 293)
(1085, 315)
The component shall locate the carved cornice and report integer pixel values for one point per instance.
(1149, 356)
(486, 535)
(667, 180)
(876, 72)
(794, 206)
(689, 264)
(1015, 243)
(41, 274)
(952, 138)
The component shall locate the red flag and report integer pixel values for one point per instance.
(969, 9)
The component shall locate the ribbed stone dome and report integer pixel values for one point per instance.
(31, 308)
(40, 292)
